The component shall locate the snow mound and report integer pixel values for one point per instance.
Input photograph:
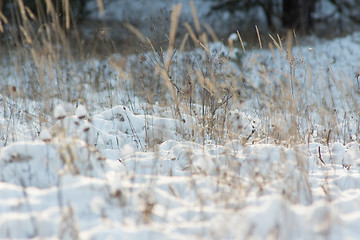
(40, 164)
(182, 189)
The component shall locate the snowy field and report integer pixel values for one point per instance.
(114, 166)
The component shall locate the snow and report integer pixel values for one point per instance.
(233, 191)
(91, 172)
(45, 135)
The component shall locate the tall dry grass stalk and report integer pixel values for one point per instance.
(201, 85)
(210, 87)
(45, 61)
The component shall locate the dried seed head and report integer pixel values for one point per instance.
(86, 127)
(81, 111)
(59, 112)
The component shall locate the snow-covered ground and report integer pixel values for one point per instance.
(120, 171)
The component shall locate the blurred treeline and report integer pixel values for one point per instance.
(305, 16)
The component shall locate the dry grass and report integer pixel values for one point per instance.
(202, 88)
(209, 94)
(209, 87)
(187, 74)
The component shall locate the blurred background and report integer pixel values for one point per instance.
(103, 19)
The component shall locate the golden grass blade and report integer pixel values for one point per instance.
(191, 32)
(100, 4)
(66, 6)
(183, 42)
(258, 35)
(2, 19)
(205, 82)
(173, 27)
(289, 44)
(280, 42)
(174, 22)
(26, 35)
(200, 78)
(195, 17)
(210, 86)
(211, 32)
(164, 75)
(204, 47)
(30, 13)
(231, 45)
(151, 45)
(50, 8)
(241, 41)
(22, 10)
(135, 31)
(204, 40)
(277, 45)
